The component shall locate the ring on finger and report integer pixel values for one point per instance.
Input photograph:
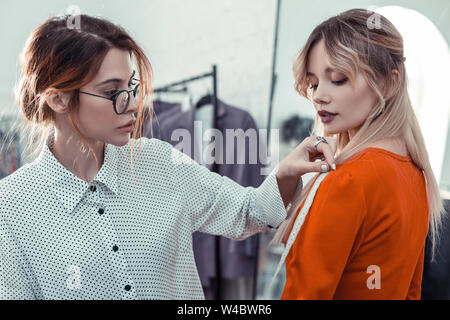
(319, 139)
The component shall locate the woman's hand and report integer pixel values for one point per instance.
(303, 160)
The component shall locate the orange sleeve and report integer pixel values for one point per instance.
(323, 246)
(415, 289)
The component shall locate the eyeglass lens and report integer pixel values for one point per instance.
(123, 100)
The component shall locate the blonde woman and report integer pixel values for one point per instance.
(364, 235)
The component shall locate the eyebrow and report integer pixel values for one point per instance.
(113, 80)
(327, 70)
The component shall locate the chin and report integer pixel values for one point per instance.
(335, 128)
(119, 141)
(332, 129)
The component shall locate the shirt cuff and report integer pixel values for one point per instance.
(269, 202)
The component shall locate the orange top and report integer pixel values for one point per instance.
(364, 235)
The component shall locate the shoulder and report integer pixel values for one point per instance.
(342, 184)
(149, 148)
(362, 172)
(374, 166)
(371, 171)
(151, 155)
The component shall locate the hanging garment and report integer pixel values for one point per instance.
(238, 259)
(162, 110)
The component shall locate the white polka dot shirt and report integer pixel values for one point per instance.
(122, 236)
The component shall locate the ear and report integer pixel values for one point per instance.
(395, 74)
(390, 84)
(58, 101)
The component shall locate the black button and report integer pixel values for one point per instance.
(115, 248)
(128, 287)
(101, 211)
(93, 188)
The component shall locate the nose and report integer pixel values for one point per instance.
(320, 96)
(133, 106)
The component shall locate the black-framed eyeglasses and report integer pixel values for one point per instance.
(121, 99)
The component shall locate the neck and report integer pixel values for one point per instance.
(352, 132)
(74, 154)
(393, 144)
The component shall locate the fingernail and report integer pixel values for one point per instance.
(324, 168)
(333, 166)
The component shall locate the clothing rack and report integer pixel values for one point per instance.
(173, 87)
(274, 75)
(171, 90)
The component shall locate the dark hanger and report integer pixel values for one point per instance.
(207, 99)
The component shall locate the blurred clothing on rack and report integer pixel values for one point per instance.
(10, 154)
(161, 111)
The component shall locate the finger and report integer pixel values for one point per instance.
(319, 166)
(311, 140)
(316, 156)
(325, 149)
(309, 144)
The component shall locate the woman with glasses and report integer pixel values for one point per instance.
(98, 215)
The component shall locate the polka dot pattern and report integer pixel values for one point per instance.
(128, 233)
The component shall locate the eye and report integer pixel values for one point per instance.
(132, 84)
(340, 82)
(337, 83)
(111, 92)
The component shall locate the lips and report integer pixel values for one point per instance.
(323, 113)
(326, 116)
(127, 125)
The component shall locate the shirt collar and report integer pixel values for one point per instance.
(69, 188)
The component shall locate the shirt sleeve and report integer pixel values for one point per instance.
(218, 205)
(14, 284)
(318, 257)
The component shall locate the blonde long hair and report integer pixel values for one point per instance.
(377, 53)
